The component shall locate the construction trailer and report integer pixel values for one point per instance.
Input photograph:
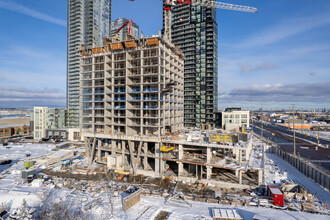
(276, 195)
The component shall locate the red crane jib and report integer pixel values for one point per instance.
(130, 24)
(181, 2)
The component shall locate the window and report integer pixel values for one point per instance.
(6, 134)
(1, 130)
(236, 116)
(7, 130)
(244, 120)
(225, 116)
(244, 116)
(1, 135)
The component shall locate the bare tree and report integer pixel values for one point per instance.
(60, 210)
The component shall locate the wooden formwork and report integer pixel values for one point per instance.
(131, 44)
(98, 50)
(116, 46)
(153, 41)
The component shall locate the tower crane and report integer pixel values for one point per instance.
(207, 3)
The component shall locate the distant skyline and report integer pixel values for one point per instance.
(274, 58)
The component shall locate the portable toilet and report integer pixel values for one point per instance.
(276, 194)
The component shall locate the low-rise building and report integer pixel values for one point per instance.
(48, 122)
(233, 118)
(10, 130)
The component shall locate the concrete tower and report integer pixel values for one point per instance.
(195, 31)
(89, 21)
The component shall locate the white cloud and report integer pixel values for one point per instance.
(12, 6)
(258, 67)
(285, 29)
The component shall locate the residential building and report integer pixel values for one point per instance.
(46, 120)
(10, 130)
(39, 115)
(89, 22)
(232, 118)
(195, 31)
(132, 88)
(118, 23)
(132, 117)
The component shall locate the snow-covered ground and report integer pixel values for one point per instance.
(277, 170)
(13, 190)
(289, 172)
(150, 206)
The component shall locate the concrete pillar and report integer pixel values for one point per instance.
(99, 150)
(240, 156)
(208, 172)
(157, 154)
(180, 168)
(236, 173)
(260, 177)
(145, 158)
(208, 155)
(113, 147)
(122, 144)
(240, 173)
(180, 152)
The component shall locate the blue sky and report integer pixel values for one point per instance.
(274, 58)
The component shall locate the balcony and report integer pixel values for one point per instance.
(99, 92)
(150, 107)
(150, 90)
(119, 91)
(120, 107)
(119, 99)
(155, 98)
(135, 90)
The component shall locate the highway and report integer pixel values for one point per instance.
(304, 147)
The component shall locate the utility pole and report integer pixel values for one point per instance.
(294, 133)
(262, 125)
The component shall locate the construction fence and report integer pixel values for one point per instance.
(321, 177)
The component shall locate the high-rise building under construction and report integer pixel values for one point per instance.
(194, 30)
(89, 21)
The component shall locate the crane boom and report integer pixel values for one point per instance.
(227, 6)
(206, 3)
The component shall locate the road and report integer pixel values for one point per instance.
(285, 130)
(304, 148)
